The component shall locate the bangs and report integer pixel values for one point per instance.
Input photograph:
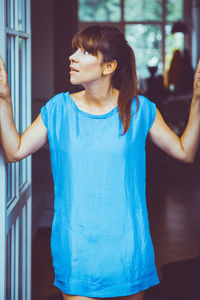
(88, 39)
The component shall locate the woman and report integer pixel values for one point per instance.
(101, 245)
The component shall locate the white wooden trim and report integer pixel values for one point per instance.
(18, 205)
(14, 32)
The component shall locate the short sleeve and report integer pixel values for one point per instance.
(50, 108)
(148, 112)
(152, 114)
(43, 112)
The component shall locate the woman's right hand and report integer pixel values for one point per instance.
(4, 86)
(17, 147)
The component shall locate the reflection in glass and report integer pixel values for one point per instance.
(143, 10)
(100, 11)
(8, 18)
(8, 265)
(8, 56)
(146, 43)
(9, 187)
(22, 102)
(22, 15)
(21, 84)
(174, 10)
(172, 42)
(8, 66)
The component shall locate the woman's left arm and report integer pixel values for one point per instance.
(183, 148)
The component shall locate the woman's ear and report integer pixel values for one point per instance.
(109, 67)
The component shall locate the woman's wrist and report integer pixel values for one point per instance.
(5, 97)
(196, 100)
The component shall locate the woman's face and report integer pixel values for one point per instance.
(85, 67)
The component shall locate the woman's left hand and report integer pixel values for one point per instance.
(196, 86)
(183, 148)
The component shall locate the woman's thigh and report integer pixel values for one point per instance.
(138, 296)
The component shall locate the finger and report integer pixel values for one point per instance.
(3, 73)
(2, 66)
(197, 72)
(198, 67)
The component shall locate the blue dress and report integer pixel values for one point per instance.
(100, 240)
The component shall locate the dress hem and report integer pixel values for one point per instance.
(82, 288)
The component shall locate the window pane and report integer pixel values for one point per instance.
(172, 42)
(8, 61)
(174, 10)
(9, 176)
(22, 102)
(146, 43)
(22, 83)
(142, 10)
(22, 15)
(100, 11)
(8, 17)
(10, 13)
(8, 66)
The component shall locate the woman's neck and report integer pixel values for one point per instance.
(100, 96)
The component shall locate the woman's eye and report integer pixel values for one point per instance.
(83, 51)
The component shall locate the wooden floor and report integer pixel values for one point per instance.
(173, 198)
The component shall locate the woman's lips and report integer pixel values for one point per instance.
(73, 69)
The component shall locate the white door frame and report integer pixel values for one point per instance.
(15, 178)
(3, 182)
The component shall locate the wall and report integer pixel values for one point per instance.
(66, 25)
(42, 28)
(54, 22)
(188, 21)
(42, 49)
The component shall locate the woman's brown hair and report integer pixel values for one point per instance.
(111, 42)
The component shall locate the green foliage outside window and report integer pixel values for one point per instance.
(143, 10)
(146, 43)
(172, 42)
(174, 10)
(99, 11)
(134, 10)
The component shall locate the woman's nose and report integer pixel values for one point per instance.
(73, 57)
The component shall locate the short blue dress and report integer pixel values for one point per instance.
(100, 239)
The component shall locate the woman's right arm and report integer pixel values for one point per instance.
(17, 147)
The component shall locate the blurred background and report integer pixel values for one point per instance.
(36, 44)
(165, 37)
